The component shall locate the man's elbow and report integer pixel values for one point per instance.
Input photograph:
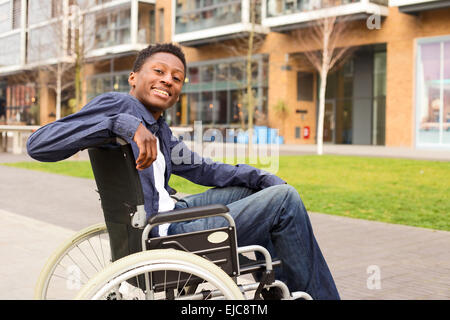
(33, 149)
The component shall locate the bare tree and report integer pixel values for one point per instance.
(322, 42)
(57, 49)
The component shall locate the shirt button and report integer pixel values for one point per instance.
(154, 128)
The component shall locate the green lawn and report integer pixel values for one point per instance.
(409, 192)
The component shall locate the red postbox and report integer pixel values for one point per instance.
(306, 132)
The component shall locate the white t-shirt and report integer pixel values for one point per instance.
(166, 203)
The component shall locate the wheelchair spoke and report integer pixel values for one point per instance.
(95, 253)
(185, 284)
(68, 279)
(79, 267)
(178, 283)
(82, 252)
(101, 248)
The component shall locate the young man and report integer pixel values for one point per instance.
(267, 211)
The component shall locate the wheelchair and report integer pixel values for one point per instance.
(121, 260)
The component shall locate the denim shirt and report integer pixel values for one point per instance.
(119, 114)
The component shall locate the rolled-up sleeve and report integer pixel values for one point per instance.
(106, 116)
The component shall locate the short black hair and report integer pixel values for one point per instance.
(155, 48)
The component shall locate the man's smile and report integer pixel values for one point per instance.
(161, 92)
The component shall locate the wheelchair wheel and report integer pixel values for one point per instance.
(74, 263)
(171, 274)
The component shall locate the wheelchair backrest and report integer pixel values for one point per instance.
(120, 190)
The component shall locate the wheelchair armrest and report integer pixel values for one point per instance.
(188, 214)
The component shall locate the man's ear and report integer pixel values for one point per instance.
(132, 79)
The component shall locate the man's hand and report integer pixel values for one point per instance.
(147, 145)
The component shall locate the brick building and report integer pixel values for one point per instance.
(393, 90)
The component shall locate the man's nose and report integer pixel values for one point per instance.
(167, 79)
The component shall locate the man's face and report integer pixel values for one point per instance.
(159, 82)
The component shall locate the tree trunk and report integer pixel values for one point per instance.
(321, 116)
(326, 57)
(250, 102)
(78, 77)
(58, 91)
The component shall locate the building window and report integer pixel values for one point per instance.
(108, 27)
(305, 85)
(194, 15)
(20, 99)
(17, 14)
(101, 83)
(215, 93)
(433, 92)
(379, 99)
(161, 25)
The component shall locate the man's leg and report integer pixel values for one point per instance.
(274, 218)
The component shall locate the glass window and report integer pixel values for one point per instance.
(215, 91)
(194, 76)
(221, 107)
(344, 121)
(108, 27)
(207, 73)
(194, 108)
(237, 74)
(379, 101)
(305, 85)
(446, 95)
(146, 23)
(429, 95)
(102, 83)
(207, 106)
(161, 25)
(193, 15)
(17, 14)
(237, 109)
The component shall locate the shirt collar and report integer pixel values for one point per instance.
(147, 116)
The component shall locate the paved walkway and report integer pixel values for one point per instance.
(369, 260)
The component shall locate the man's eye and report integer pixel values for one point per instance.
(176, 79)
(158, 71)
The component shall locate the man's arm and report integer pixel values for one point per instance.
(191, 166)
(106, 116)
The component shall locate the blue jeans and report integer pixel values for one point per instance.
(276, 219)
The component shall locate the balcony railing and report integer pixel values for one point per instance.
(191, 18)
(282, 15)
(283, 7)
(199, 21)
(9, 50)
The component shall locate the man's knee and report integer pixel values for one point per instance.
(286, 190)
